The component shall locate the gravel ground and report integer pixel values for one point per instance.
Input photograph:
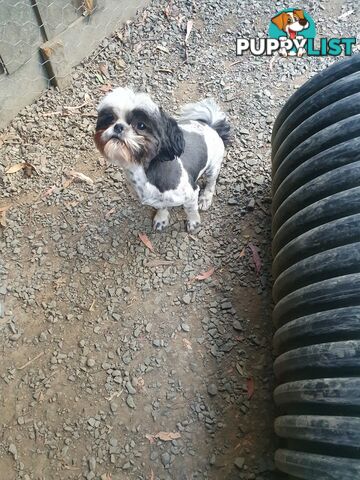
(104, 344)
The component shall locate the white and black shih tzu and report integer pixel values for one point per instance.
(164, 158)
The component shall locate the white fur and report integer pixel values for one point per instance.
(124, 100)
(206, 110)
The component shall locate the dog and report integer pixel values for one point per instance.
(292, 23)
(163, 158)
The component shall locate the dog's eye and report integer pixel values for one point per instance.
(141, 126)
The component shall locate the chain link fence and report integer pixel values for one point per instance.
(41, 40)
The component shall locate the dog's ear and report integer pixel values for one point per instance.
(280, 20)
(300, 13)
(172, 138)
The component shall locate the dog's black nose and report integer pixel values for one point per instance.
(303, 22)
(118, 128)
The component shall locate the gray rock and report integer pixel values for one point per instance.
(90, 362)
(239, 462)
(212, 389)
(165, 459)
(186, 298)
(130, 401)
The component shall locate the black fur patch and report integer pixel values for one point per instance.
(223, 130)
(105, 118)
(172, 138)
(195, 155)
(165, 175)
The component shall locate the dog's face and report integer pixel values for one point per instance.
(132, 129)
(291, 22)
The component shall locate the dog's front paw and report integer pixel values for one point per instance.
(193, 222)
(161, 220)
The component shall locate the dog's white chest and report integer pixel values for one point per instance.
(150, 195)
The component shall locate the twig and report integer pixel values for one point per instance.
(30, 361)
(76, 106)
(235, 63)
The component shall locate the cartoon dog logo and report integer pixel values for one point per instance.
(292, 23)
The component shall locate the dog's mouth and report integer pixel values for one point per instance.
(117, 138)
(292, 34)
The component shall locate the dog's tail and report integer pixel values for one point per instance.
(209, 112)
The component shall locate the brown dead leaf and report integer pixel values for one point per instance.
(242, 253)
(104, 69)
(204, 275)
(151, 438)
(89, 6)
(256, 257)
(189, 27)
(167, 436)
(106, 88)
(79, 176)
(250, 386)
(145, 239)
(187, 343)
(16, 168)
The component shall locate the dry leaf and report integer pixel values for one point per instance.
(89, 6)
(167, 436)
(189, 27)
(187, 343)
(150, 438)
(80, 176)
(240, 369)
(104, 69)
(242, 253)
(15, 168)
(162, 49)
(204, 275)
(250, 386)
(145, 239)
(256, 257)
(3, 211)
(106, 88)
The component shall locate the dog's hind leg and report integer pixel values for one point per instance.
(191, 208)
(206, 196)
